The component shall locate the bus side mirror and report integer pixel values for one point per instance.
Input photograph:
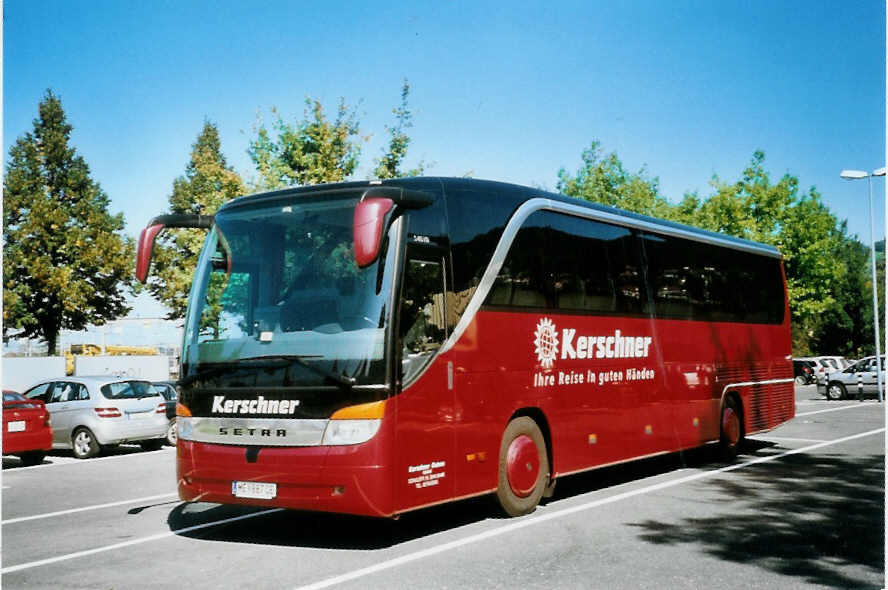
(369, 223)
(146, 247)
(155, 226)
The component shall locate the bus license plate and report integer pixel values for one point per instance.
(17, 426)
(254, 489)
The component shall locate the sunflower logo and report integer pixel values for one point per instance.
(546, 343)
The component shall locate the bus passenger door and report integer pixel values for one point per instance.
(426, 414)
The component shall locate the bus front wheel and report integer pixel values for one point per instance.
(523, 467)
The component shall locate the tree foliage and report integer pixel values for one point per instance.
(602, 179)
(312, 151)
(207, 184)
(389, 166)
(66, 263)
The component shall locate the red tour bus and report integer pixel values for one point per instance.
(377, 347)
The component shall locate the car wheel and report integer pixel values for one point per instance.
(836, 391)
(730, 431)
(84, 443)
(523, 467)
(153, 444)
(32, 458)
(172, 433)
(801, 380)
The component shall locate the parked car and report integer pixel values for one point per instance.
(839, 362)
(839, 384)
(27, 430)
(168, 390)
(822, 366)
(803, 372)
(91, 412)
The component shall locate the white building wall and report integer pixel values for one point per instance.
(152, 368)
(19, 373)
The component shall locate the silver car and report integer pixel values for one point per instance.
(90, 412)
(860, 377)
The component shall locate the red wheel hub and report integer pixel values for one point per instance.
(522, 465)
(730, 426)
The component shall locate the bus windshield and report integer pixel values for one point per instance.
(278, 299)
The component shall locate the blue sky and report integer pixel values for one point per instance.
(506, 91)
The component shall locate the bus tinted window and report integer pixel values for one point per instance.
(562, 262)
(691, 280)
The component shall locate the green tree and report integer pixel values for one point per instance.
(389, 166)
(602, 179)
(208, 182)
(66, 262)
(312, 151)
(847, 327)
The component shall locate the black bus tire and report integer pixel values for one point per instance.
(523, 467)
(730, 430)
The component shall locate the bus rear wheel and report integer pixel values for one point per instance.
(523, 467)
(731, 430)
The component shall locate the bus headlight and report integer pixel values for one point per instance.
(354, 424)
(186, 428)
(350, 432)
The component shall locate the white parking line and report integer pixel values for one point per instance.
(840, 408)
(787, 438)
(24, 566)
(520, 524)
(514, 526)
(85, 508)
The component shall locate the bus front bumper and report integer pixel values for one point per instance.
(348, 479)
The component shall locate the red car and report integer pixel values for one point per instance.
(26, 428)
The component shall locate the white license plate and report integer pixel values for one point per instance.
(17, 426)
(254, 489)
(140, 415)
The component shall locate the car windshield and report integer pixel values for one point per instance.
(128, 390)
(9, 396)
(864, 365)
(278, 299)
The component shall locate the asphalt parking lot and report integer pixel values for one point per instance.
(802, 508)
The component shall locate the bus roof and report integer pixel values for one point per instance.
(517, 192)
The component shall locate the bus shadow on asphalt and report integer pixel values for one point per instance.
(293, 528)
(818, 518)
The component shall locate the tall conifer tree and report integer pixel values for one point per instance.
(66, 263)
(207, 184)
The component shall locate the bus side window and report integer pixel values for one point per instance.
(422, 329)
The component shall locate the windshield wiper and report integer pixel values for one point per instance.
(337, 378)
(206, 373)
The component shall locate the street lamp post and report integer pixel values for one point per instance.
(855, 175)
